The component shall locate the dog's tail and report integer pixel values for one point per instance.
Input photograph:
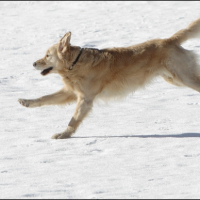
(192, 31)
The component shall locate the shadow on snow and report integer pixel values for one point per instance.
(182, 135)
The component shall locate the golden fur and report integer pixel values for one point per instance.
(115, 72)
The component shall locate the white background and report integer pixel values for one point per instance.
(146, 146)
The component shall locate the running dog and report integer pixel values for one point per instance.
(89, 74)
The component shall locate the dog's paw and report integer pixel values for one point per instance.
(55, 136)
(60, 136)
(24, 102)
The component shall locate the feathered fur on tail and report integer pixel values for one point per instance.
(192, 31)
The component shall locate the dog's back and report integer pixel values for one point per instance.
(130, 68)
(133, 67)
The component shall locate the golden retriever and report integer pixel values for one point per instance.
(89, 74)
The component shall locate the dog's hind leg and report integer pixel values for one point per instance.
(58, 98)
(183, 69)
(193, 83)
(189, 78)
(84, 105)
(171, 80)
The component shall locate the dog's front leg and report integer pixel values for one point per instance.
(84, 105)
(58, 98)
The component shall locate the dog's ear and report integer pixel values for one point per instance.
(64, 43)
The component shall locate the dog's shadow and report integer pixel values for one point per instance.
(182, 135)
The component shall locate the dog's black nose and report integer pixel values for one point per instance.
(34, 64)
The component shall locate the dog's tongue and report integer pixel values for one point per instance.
(46, 71)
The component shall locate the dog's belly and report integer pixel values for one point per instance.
(119, 89)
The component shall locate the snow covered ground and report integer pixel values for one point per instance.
(146, 146)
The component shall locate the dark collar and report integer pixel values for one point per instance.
(75, 61)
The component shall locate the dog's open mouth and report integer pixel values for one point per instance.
(46, 71)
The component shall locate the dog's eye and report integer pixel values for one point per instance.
(47, 55)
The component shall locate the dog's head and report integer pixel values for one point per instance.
(57, 57)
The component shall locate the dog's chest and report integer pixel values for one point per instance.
(71, 83)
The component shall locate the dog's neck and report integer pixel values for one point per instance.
(76, 60)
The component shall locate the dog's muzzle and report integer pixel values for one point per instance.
(45, 71)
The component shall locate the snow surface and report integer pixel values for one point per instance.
(146, 146)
